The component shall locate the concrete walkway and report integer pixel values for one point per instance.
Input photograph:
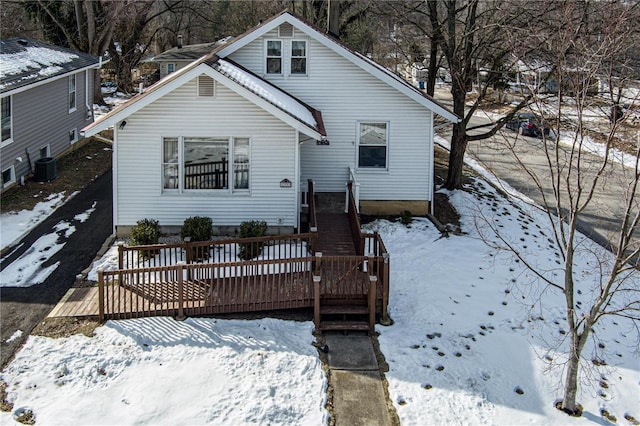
(358, 395)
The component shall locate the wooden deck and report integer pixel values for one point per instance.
(295, 276)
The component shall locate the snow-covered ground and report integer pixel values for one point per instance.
(158, 371)
(473, 342)
(15, 225)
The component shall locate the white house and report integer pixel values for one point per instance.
(236, 135)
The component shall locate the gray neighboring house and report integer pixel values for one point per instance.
(47, 97)
(180, 56)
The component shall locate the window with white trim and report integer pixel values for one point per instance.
(72, 93)
(274, 57)
(298, 57)
(8, 176)
(171, 67)
(205, 163)
(7, 121)
(373, 140)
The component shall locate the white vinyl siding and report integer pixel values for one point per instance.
(144, 162)
(347, 94)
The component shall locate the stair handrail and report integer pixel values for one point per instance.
(355, 191)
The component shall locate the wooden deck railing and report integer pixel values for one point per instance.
(354, 220)
(254, 285)
(223, 250)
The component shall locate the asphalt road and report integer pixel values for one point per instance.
(601, 218)
(22, 308)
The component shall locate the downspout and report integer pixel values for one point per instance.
(86, 95)
(114, 180)
(297, 180)
(431, 163)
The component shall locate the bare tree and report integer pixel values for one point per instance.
(591, 42)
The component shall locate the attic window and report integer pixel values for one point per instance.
(206, 86)
(285, 30)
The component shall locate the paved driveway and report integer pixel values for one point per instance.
(22, 308)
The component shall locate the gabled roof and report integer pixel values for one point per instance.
(189, 52)
(25, 62)
(274, 100)
(335, 45)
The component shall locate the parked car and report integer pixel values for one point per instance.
(529, 124)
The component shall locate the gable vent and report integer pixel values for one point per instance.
(285, 30)
(206, 86)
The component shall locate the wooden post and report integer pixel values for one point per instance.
(314, 237)
(180, 266)
(373, 284)
(316, 302)
(316, 267)
(120, 255)
(188, 255)
(385, 320)
(101, 295)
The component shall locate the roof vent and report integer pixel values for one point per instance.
(23, 42)
(285, 30)
(206, 86)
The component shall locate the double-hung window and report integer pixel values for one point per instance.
(171, 67)
(274, 57)
(373, 140)
(298, 57)
(205, 163)
(72, 93)
(7, 123)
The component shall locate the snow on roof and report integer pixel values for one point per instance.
(267, 91)
(33, 57)
(24, 61)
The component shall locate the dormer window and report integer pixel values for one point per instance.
(274, 57)
(298, 57)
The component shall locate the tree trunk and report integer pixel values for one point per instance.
(456, 157)
(578, 340)
(97, 89)
(433, 68)
(459, 138)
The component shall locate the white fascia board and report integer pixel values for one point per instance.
(49, 80)
(350, 56)
(262, 103)
(136, 104)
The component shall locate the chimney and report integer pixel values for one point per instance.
(179, 41)
(333, 18)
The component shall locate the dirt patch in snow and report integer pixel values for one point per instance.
(76, 169)
(65, 327)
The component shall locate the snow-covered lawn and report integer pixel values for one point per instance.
(475, 339)
(160, 371)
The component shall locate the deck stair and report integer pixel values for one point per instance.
(350, 316)
(335, 238)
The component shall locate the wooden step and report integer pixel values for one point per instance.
(344, 325)
(344, 309)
